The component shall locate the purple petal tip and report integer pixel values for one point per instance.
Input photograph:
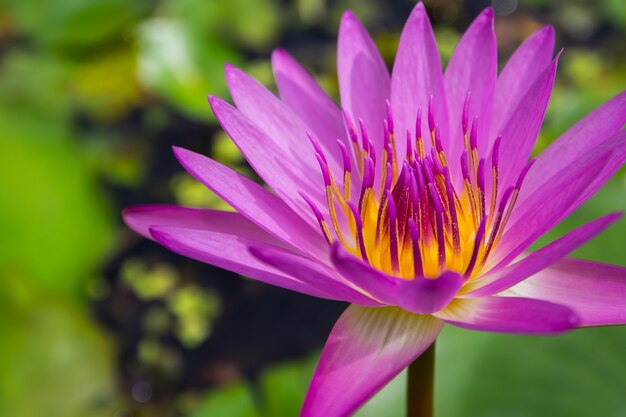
(213, 100)
(158, 235)
(182, 155)
(279, 53)
(229, 67)
(419, 13)
(349, 18)
(258, 253)
(338, 253)
(127, 214)
(558, 54)
(547, 30)
(613, 217)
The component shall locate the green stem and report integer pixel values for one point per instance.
(419, 395)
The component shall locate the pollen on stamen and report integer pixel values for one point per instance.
(359, 231)
(393, 234)
(320, 218)
(409, 146)
(417, 254)
(347, 168)
(417, 222)
(440, 237)
(419, 141)
(495, 155)
(478, 241)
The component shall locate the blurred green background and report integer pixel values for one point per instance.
(95, 321)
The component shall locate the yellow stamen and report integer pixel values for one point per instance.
(346, 186)
(509, 210)
(494, 193)
(394, 164)
(420, 147)
(333, 215)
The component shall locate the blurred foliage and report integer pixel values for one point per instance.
(105, 87)
(249, 23)
(181, 68)
(55, 227)
(75, 25)
(193, 308)
(189, 192)
(281, 388)
(93, 93)
(148, 285)
(233, 401)
(54, 361)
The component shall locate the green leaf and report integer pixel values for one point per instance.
(283, 387)
(235, 401)
(34, 85)
(181, 68)
(54, 361)
(76, 23)
(253, 23)
(105, 87)
(576, 375)
(54, 225)
(615, 11)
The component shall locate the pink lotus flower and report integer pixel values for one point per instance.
(416, 204)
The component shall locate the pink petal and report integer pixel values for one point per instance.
(313, 273)
(520, 131)
(376, 283)
(596, 131)
(253, 202)
(505, 278)
(363, 78)
(231, 251)
(614, 162)
(597, 292)
(286, 132)
(417, 76)
(419, 296)
(472, 69)
(521, 70)
(509, 315)
(299, 90)
(597, 165)
(284, 173)
(365, 350)
(142, 218)
(546, 207)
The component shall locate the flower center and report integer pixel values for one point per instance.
(410, 219)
